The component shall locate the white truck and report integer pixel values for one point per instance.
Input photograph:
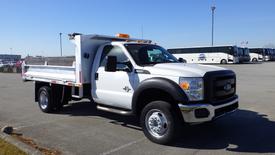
(136, 77)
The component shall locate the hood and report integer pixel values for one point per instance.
(181, 69)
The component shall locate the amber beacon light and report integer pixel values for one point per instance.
(122, 35)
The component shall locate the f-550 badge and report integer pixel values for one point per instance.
(126, 88)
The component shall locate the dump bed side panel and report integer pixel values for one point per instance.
(51, 74)
(53, 61)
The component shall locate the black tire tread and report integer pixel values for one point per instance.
(48, 91)
(172, 118)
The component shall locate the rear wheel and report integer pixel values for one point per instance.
(223, 61)
(45, 101)
(159, 122)
(50, 99)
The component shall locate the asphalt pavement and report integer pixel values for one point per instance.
(80, 129)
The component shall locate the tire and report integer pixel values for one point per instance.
(159, 122)
(254, 60)
(45, 101)
(223, 61)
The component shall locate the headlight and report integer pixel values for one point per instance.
(193, 87)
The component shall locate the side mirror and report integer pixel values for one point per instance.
(111, 64)
(182, 60)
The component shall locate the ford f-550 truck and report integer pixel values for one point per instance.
(135, 77)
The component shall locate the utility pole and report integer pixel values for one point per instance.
(60, 41)
(213, 7)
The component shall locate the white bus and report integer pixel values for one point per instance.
(257, 54)
(218, 54)
(272, 55)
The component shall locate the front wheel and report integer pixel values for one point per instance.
(254, 60)
(159, 122)
(223, 61)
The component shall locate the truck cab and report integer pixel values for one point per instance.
(136, 77)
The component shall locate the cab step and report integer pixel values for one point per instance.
(114, 110)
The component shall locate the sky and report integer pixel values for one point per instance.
(32, 27)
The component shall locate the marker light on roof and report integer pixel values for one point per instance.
(121, 35)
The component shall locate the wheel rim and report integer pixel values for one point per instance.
(156, 123)
(43, 100)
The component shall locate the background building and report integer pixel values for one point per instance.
(6, 58)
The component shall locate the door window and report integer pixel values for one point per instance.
(122, 60)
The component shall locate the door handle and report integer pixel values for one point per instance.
(96, 76)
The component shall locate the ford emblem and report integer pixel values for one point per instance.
(227, 87)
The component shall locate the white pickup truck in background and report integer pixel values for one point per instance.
(135, 77)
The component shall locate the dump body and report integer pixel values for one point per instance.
(72, 71)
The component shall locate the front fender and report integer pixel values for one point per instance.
(163, 84)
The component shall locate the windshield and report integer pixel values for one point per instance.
(246, 52)
(240, 52)
(267, 52)
(235, 52)
(146, 54)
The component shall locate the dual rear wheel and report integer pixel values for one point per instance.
(48, 101)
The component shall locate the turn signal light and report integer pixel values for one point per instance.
(185, 85)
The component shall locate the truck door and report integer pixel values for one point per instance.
(114, 88)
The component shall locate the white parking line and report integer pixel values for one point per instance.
(122, 146)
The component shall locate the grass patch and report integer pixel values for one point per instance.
(9, 149)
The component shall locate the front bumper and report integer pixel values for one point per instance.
(199, 113)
